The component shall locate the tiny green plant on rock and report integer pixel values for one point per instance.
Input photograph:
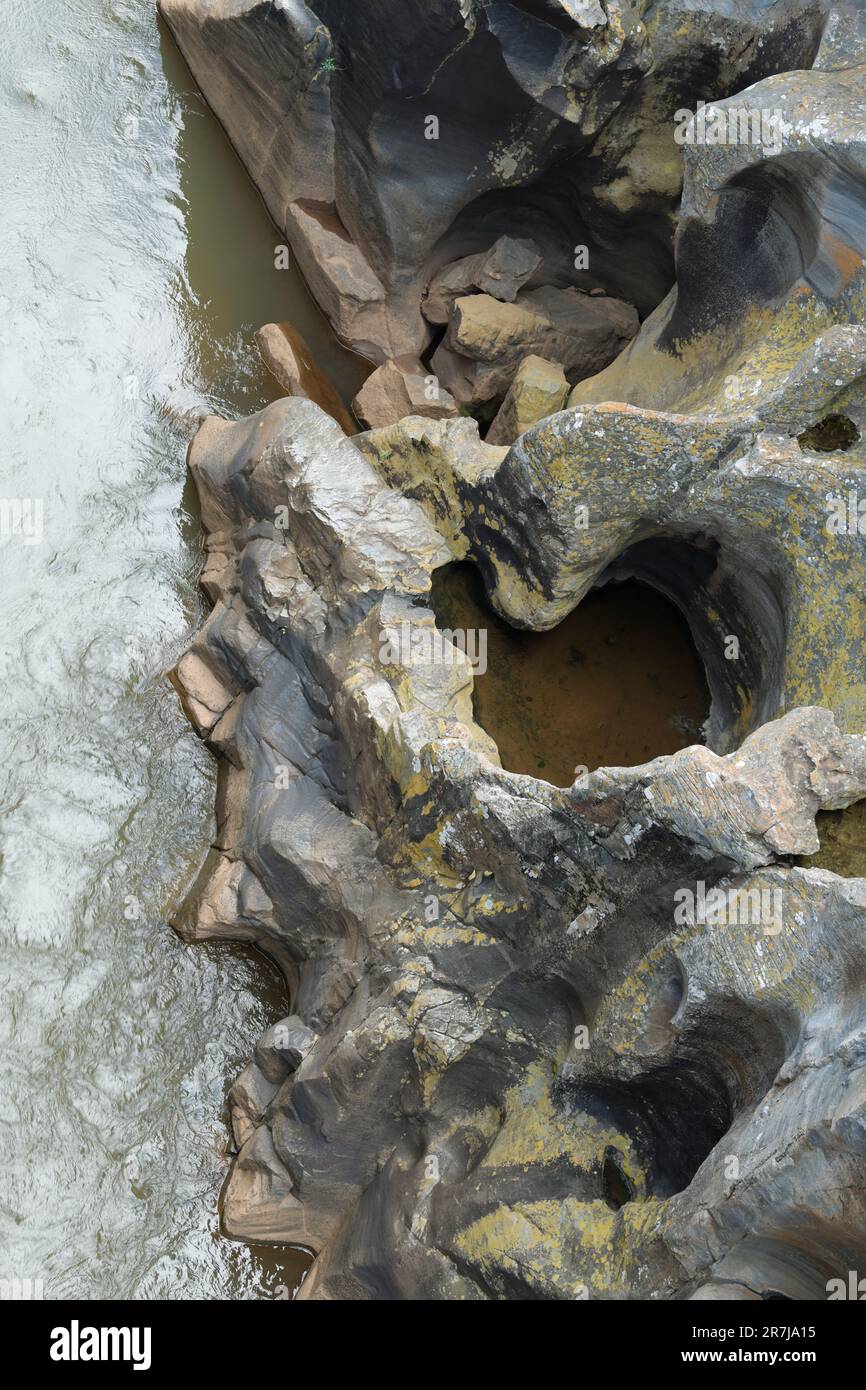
(327, 66)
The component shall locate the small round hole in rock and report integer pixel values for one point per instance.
(616, 683)
(833, 434)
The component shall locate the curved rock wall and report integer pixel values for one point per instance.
(449, 929)
(390, 138)
(604, 1041)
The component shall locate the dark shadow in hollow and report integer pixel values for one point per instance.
(833, 434)
(765, 228)
(677, 1111)
(842, 836)
(736, 618)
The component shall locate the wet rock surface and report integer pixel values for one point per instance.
(602, 1039)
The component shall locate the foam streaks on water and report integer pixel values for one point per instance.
(137, 267)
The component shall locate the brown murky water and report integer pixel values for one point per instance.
(615, 684)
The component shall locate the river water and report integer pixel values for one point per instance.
(137, 263)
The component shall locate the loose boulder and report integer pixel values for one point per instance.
(487, 339)
(291, 364)
(400, 388)
(539, 389)
(500, 272)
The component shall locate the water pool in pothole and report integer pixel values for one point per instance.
(616, 683)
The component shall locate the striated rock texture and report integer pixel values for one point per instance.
(606, 1041)
(770, 296)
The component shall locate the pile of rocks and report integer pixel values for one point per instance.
(417, 155)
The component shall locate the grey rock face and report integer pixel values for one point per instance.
(769, 258)
(445, 924)
(607, 1040)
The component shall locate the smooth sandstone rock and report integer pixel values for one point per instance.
(402, 388)
(747, 307)
(291, 364)
(395, 799)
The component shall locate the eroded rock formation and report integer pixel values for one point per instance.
(599, 1041)
(391, 141)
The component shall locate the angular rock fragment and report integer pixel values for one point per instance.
(500, 272)
(341, 279)
(539, 389)
(487, 340)
(291, 364)
(401, 388)
(282, 1049)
